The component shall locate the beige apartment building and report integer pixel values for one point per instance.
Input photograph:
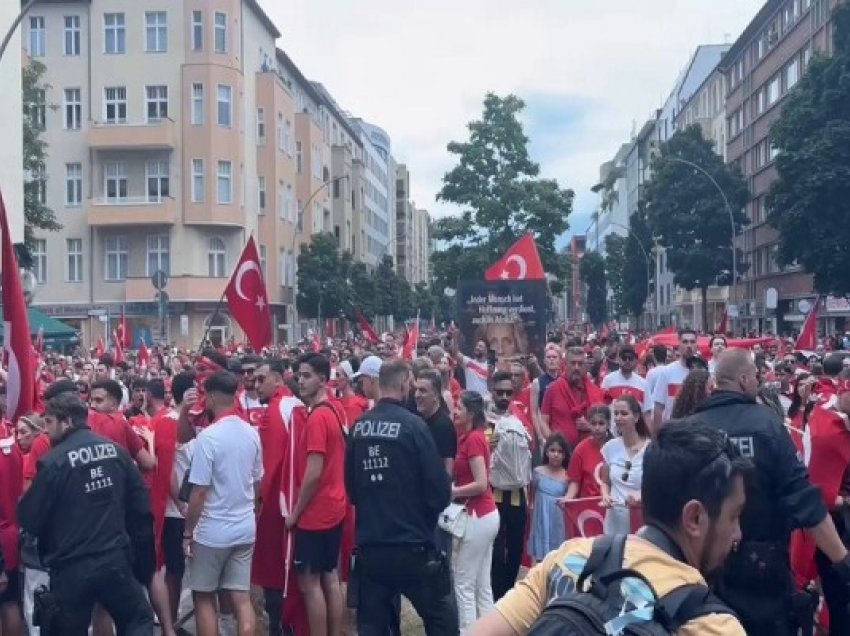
(174, 133)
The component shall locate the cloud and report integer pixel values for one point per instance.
(588, 71)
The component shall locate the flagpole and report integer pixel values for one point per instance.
(215, 313)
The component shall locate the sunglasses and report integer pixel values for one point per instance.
(628, 358)
(628, 468)
(260, 378)
(504, 392)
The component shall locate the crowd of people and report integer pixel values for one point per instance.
(338, 479)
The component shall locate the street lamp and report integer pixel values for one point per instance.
(700, 169)
(17, 21)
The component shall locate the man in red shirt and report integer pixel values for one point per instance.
(567, 400)
(320, 509)
(11, 478)
(106, 420)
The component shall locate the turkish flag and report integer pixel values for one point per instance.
(118, 341)
(411, 341)
(100, 349)
(520, 262)
(585, 517)
(723, 327)
(144, 355)
(17, 343)
(808, 340)
(123, 334)
(366, 328)
(247, 298)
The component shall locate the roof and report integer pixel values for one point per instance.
(51, 327)
(263, 16)
(290, 66)
(328, 101)
(753, 28)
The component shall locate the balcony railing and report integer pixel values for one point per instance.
(131, 211)
(153, 135)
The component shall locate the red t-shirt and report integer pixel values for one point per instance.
(564, 404)
(584, 467)
(523, 397)
(11, 477)
(469, 445)
(323, 435)
(354, 406)
(114, 427)
(40, 447)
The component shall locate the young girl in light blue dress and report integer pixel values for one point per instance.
(550, 485)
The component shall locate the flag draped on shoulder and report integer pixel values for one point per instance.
(247, 299)
(17, 344)
(520, 262)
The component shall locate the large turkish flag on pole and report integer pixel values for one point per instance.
(520, 262)
(247, 298)
(17, 346)
(808, 340)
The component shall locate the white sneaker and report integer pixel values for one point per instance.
(227, 625)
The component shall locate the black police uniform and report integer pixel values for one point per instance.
(397, 482)
(91, 513)
(757, 581)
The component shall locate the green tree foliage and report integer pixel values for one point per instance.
(323, 271)
(615, 267)
(502, 196)
(636, 270)
(687, 214)
(37, 216)
(810, 201)
(592, 272)
(363, 290)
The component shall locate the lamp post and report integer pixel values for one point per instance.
(733, 292)
(299, 227)
(14, 26)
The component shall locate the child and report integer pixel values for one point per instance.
(583, 469)
(550, 485)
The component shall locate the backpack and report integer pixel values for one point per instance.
(604, 609)
(510, 464)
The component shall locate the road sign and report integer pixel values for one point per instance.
(159, 279)
(162, 297)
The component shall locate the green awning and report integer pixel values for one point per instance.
(51, 327)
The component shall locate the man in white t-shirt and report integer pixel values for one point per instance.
(670, 379)
(625, 381)
(476, 369)
(220, 532)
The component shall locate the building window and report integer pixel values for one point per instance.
(115, 181)
(38, 110)
(197, 104)
(159, 254)
(197, 31)
(74, 269)
(281, 139)
(115, 104)
(73, 109)
(37, 36)
(116, 258)
(287, 137)
(261, 126)
(72, 35)
(773, 90)
(225, 182)
(225, 96)
(216, 255)
(261, 194)
(299, 157)
(73, 184)
(197, 180)
(39, 260)
(156, 103)
(157, 178)
(280, 208)
(773, 151)
(289, 203)
(263, 259)
(156, 31)
(792, 74)
(114, 33)
(283, 267)
(220, 32)
(807, 55)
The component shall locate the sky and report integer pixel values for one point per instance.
(590, 72)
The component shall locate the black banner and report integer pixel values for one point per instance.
(510, 316)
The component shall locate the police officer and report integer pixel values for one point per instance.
(90, 512)
(398, 485)
(757, 581)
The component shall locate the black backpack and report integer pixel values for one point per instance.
(603, 610)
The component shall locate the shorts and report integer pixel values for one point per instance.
(13, 588)
(172, 546)
(317, 551)
(213, 569)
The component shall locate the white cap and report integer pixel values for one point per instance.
(370, 367)
(345, 365)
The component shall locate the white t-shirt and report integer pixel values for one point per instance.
(228, 460)
(476, 374)
(668, 385)
(616, 384)
(651, 380)
(619, 466)
(182, 461)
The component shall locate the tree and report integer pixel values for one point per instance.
(636, 269)
(615, 267)
(808, 203)
(386, 288)
(592, 272)
(502, 195)
(687, 213)
(323, 278)
(363, 291)
(37, 216)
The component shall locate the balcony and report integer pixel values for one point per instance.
(107, 211)
(179, 289)
(161, 135)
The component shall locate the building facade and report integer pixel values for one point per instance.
(377, 232)
(764, 64)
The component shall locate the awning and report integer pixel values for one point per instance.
(51, 328)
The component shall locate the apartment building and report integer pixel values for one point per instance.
(763, 65)
(404, 211)
(422, 246)
(12, 168)
(377, 231)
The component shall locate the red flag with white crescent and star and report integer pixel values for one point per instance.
(143, 355)
(520, 262)
(247, 299)
(808, 338)
(17, 342)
